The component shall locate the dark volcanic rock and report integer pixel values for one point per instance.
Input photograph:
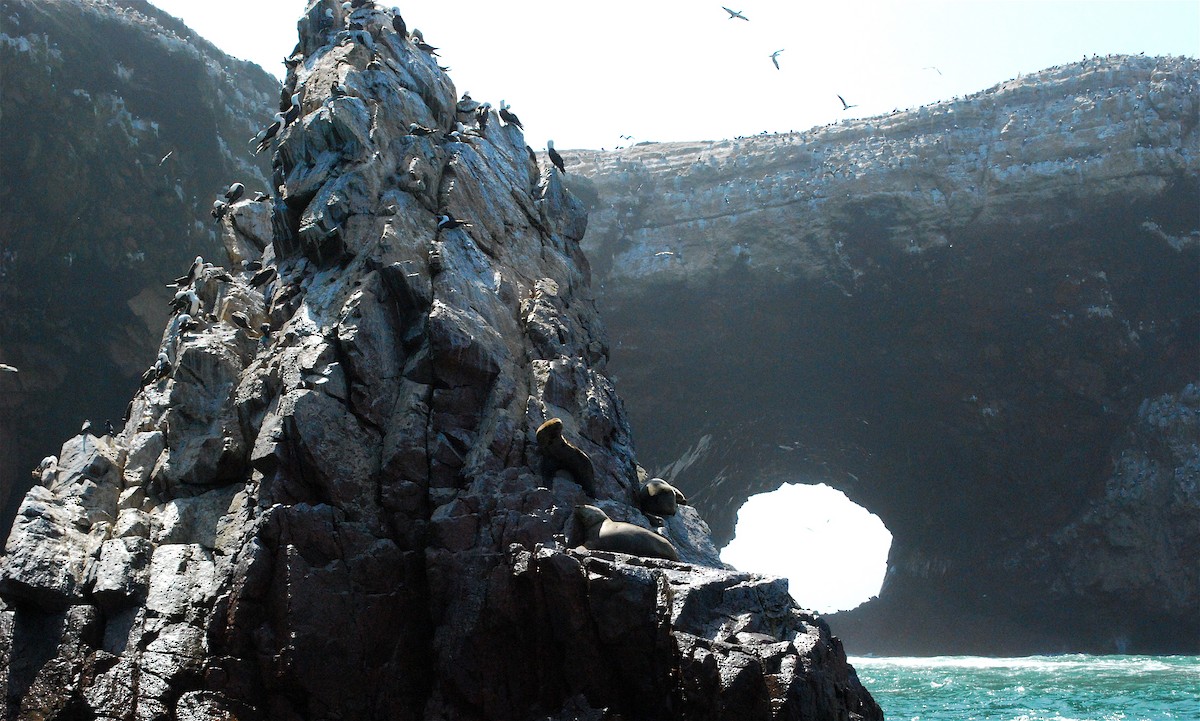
(343, 515)
(953, 314)
(120, 126)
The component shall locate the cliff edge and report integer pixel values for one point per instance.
(328, 500)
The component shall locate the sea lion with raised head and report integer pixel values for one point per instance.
(600, 533)
(660, 498)
(558, 452)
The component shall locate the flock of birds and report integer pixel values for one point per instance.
(739, 15)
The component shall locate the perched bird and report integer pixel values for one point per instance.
(445, 222)
(735, 14)
(482, 113)
(108, 429)
(508, 116)
(293, 112)
(218, 209)
(466, 104)
(337, 90)
(424, 46)
(775, 58)
(845, 105)
(234, 193)
(86, 427)
(398, 23)
(260, 196)
(555, 157)
(240, 320)
(187, 279)
(420, 130)
(264, 276)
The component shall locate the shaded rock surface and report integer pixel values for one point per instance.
(120, 125)
(327, 502)
(953, 314)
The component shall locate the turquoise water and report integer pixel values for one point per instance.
(1037, 688)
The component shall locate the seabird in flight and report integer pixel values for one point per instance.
(555, 157)
(508, 116)
(7, 368)
(735, 14)
(930, 67)
(845, 105)
(775, 58)
(266, 136)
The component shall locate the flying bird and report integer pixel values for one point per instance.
(735, 14)
(7, 368)
(845, 105)
(775, 58)
(931, 67)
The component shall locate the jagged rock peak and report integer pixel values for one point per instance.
(328, 500)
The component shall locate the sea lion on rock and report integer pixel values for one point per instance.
(600, 533)
(660, 498)
(558, 452)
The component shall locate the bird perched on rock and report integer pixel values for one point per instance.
(86, 427)
(187, 279)
(108, 429)
(234, 193)
(218, 209)
(508, 116)
(240, 320)
(482, 113)
(466, 104)
(398, 23)
(555, 157)
(446, 222)
(264, 276)
(420, 130)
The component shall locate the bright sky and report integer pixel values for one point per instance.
(585, 73)
(778, 532)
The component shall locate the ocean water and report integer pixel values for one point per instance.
(1036, 688)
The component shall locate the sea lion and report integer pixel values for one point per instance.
(660, 498)
(558, 452)
(600, 533)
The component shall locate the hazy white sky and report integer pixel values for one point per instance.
(586, 73)
(778, 532)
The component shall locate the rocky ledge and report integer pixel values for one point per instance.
(328, 499)
(957, 314)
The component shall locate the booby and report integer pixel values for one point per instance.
(87, 426)
(108, 429)
(845, 105)
(260, 196)
(190, 277)
(482, 113)
(266, 136)
(264, 276)
(240, 320)
(735, 14)
(218, 209)
(555, 157)
(187, 301)
(508, 116)
(7, 368)
(466, 104)
(235, 192)
(427, 48)
(775, 58)
(337, 90)
(445, 222)
(398, 23)
(292, 112)
(420, 130)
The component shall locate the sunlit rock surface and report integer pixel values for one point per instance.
(952, 313)
(327, 502)
(119, 126)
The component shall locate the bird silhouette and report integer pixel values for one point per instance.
(845, 105)
(735, 14)
(775, 58)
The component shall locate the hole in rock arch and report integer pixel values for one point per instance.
(832, 551)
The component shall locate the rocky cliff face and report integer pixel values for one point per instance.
(119, 127)
(328, 501)
(954, 315)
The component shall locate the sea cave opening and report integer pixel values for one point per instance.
(832, 551)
